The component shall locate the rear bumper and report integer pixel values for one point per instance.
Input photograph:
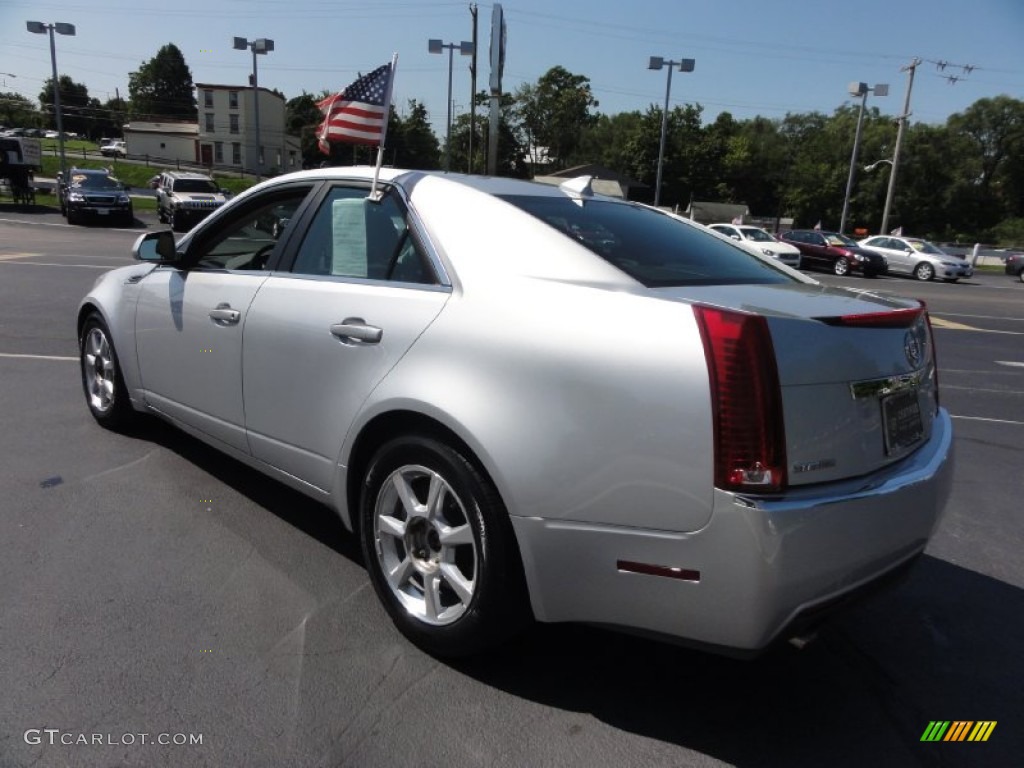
(762, 563)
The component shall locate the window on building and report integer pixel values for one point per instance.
(209, 122)
(233, 99)
(236, 153)
(218, 151)
(233, 127)
(208, 99)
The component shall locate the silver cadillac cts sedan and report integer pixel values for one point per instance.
(534, 402)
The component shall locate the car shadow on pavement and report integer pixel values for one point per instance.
(294, 508)
(944, 645)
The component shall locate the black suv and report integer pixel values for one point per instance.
(88, 193)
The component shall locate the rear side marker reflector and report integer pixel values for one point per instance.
(683, 574)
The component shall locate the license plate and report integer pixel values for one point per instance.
(102, 211)
(901, 421)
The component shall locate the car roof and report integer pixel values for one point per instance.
(407, 179)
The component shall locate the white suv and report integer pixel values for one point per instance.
(182, 199)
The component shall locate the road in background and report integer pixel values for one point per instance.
(152, 586)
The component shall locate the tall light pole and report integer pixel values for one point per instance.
(912, 67)
(657, 62)
(862, 90)
(261, 46)
(466, 49)
(39, 28)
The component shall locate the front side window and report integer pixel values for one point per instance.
(246, 240)
(653, 247)
(757, 235)
(352, 236)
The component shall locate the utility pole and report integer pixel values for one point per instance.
(911, 68)
(472, 90)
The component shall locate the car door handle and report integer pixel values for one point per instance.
(355, 330)
(225, 314)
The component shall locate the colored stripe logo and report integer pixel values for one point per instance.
(958, 730)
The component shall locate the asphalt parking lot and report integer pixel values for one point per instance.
(152, 586)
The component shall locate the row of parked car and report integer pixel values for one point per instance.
(842, 255)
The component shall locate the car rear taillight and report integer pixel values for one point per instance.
(750, 446)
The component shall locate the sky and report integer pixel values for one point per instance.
(753, 57)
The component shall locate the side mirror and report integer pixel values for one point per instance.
(735, 237)
(157, 247)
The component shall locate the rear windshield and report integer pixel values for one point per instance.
(654, 248)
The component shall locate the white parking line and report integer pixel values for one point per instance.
(51, 264)
(981, 418)
(37, 357)
(1010, 363)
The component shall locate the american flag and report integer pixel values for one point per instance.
(358, 114)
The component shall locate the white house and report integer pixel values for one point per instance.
(227, 129)
(224, 136)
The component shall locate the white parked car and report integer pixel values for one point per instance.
(536, 402)
(115, 148)
(757, 240)
(918, 258)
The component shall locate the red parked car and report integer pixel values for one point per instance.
(1015, 265)
(835, 252)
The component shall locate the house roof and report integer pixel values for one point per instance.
(599, 172)
(715, 212)
(167, 127)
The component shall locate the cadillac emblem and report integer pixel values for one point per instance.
(912, 349)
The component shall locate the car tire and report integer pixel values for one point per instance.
(105, 391)
(440, 549)
(841, 267)
(160, 215)
(72, 217)
(924, 271)
(177, 222)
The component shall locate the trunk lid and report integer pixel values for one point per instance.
(856, 372)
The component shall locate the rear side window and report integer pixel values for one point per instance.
(652, 247)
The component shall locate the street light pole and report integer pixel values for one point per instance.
(657, 62)
(261, 46)
(899, 141)
(862, 90)
(466, 49)
(39, 28)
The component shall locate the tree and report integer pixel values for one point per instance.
(993, 130)
(555, 111)
(162, 87)
(17, 111)
(74, 101)
(413, 143)
(511, 154)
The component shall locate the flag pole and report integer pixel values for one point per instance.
(384, 133)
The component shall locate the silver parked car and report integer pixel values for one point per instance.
(918, 258)
(534, 402)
